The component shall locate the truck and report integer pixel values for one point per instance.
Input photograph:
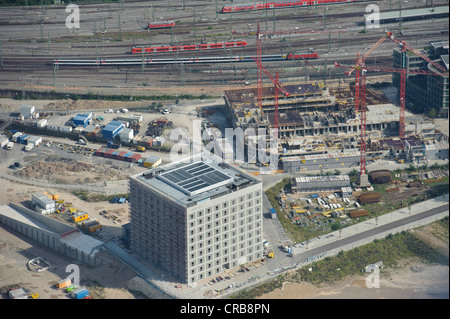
(111, 144)
(29, 147)
(9, 145)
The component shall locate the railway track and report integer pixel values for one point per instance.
(40, 65)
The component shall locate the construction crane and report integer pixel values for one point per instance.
(358, 64)
(278, 87)
(261, 69)
(361, 103)
(363, 70)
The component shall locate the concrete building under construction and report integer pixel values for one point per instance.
(312, 109)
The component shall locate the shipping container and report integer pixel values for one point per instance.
(121, 155)
(273, 213)
(63, 283)
(152, 161)
(134, 158)
(80, 216)
(114, 145)
(42, 123)
(65, 128)
(108, 154)
(80, 293)
(27, 110)
(42, 200)
(23, 139)
(3, 141)
(358, 213)
(16, 136)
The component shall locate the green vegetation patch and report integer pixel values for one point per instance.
(95, 197)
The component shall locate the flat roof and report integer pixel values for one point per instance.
(81, 242)
(322, 179)
(23, 218)
(195, 179)
(384, 113)
(43, 198)
(412, 13)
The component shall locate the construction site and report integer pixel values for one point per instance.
(355, 138)
(314, 124)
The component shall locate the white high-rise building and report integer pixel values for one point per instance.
(196, 217)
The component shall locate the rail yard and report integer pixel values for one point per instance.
(90, 118)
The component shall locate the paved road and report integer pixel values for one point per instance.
(335, 246)
(369, 233)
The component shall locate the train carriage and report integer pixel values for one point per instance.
(171, 48)
(280, 4)
(205, 59)
(302, 55)
(161, 25)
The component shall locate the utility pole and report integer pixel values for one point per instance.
(339, 42)
(41, 27)
(143, 59)
(231, 24)
(53, 73)
(265, 15)
(195, 25)
(49, 42)
(23, 85)
(273, 19)
(1, 55)
(217, 10)
(329, 42)
(120, 30)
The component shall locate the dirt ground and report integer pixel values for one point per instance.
(106, 281)
(412, 280)
(68, 171)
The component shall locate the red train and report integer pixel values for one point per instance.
(280, 4)
(193, 47)
(161, 25)
(302, 55)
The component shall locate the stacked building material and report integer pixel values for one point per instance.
(370, 197)
(358, 213)
(380, 177)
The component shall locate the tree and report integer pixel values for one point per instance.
(432, 113)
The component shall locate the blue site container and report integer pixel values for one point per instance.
(80, 293)
(23, 139)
